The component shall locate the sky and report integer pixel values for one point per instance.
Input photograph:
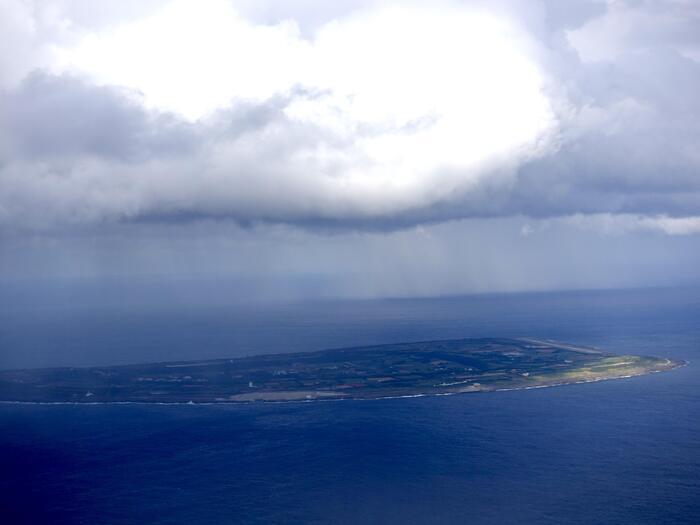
(304, 149)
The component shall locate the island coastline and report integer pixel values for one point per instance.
(395, 371)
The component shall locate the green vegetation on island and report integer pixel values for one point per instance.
(407, 369)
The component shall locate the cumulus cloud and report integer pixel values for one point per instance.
(370, 115)
(351, 125)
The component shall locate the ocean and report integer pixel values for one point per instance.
(614, 452)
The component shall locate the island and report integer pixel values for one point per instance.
(371, 372)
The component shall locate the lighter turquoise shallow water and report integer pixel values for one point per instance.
(625, 451)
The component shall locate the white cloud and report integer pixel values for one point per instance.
(377, 116)
(390, 109)
(190, 57)
(673, 225)
(619, 224)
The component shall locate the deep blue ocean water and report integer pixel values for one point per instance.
(614, 452)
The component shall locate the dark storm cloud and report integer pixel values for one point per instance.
(633, 146)
(61, 117)
(52, 117)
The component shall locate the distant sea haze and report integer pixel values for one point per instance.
(98, 326)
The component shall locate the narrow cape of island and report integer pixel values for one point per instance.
(372, 372)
